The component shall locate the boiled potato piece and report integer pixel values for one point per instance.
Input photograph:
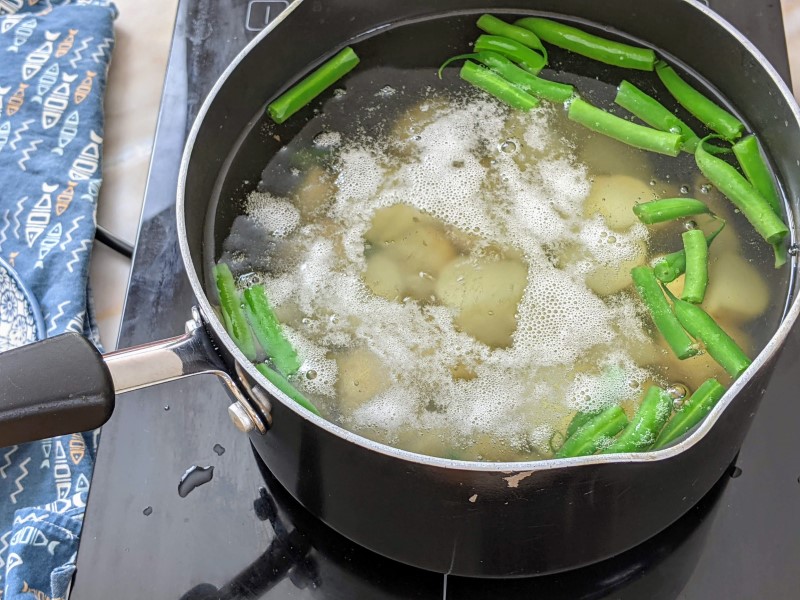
(422, 248)
(486, 294)
(316, 191)
(736, 290)
(390, 223)
(383, 277)
(607, 156)
(613, 197)
(362, 376)
(430, 442)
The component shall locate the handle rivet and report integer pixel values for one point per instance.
(241, 420)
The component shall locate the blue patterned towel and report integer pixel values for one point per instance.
(54, 57)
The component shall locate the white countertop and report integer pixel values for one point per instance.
(144, 33)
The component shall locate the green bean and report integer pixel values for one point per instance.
(646, 424)
(494, 26)
(269, 332)
(668, 268)
(718, 344)
(590, 46)
(665, 320)
(748, 153)
(312, 86)
(743, 195)
(524, 80)
(706, 111)
(232, 313)
(693, 411)
(498, 87)
(696, 248)
(627, 132)
(578, 420)
(536, 86)
(659, 211)
(591, 435)
(280, 382)
(522, 55)
(655, 114)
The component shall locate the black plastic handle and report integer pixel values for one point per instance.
(56, 386)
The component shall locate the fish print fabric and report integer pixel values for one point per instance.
(54, 57)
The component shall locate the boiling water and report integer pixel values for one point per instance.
(455, 274)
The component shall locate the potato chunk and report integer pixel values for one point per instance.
(486, 294)
(613, 197)
(384, 277)
(736, 290)
(362, 376)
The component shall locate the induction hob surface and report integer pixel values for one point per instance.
(241, 536)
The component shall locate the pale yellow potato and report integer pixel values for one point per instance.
(422, 248)
(388, 224)
(430, 442)
(486, 294)
(607, 156)
(384, 277)
(613, 197)
(736, 290)
(362, 376)
(316, 191)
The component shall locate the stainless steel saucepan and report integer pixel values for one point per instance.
(466, 518)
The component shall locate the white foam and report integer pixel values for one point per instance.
(458, 173)
(278, 216)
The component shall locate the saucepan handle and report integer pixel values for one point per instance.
(64, 385)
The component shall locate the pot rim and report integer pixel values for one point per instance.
(770, 349)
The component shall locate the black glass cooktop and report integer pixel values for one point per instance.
(239, 535)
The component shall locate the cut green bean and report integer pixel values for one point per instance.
(646, 424)
(522, 55)
(655, 114)
(491, 82)
(589, 45)
(524, 80)
(668, 268)
(579, 420)
(232, 313)
(494, 26)
(594, 433)
(668, 209)
(312, 86)
(269, 332)
(664, 319)
(748, 153)
(527, 82)
(706, 111)
(696, 281)
(627, 132)
(751, 159)
(280, 382)
(718, 344)
(693, 411)
(743, 195)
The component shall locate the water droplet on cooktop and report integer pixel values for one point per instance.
(148, 511)
(219, 449)
(194, 477)
(166, 407)
(735, 472)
